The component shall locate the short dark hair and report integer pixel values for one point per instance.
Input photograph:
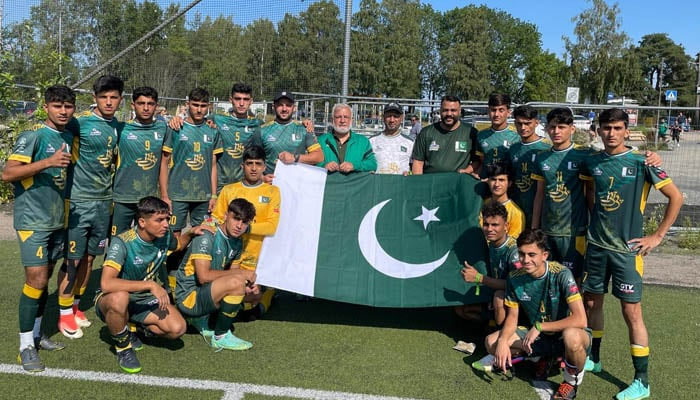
(106, 83)
(241, 87)
(494, 209)
(198, 94)
(450, 98)
(151, 205)
(560, 116)
(499, 168)
(254, 152)
(60, 93)
(525, 111)
(145, 91)
(530, 236)
(613, 115)
(242, 208)
(499, 99)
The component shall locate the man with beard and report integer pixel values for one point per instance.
(447, 145)
(391, 148)
(344, 150)
(287, 140)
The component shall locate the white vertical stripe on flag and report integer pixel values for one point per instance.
(288, 259)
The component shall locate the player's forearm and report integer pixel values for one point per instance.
(509, 325)
(267, 228)
(494, 283)
(184, 239)
(572, 321)
(590, 198)
(312, 158)
(675, 201)
(213, 179)
(16, 171)
(417, 167)
(476, 165)
(114, 284)
(163, 175)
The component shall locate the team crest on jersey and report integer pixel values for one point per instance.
(147, 162)
(183, 137)
(271, 139)
(263, 199)
(106, 159)
(506, 144)
(138, 260)
(484, 144)
(545, 167)
(524, 297)
(60, 180)
(157, 136)
(572, 165)
(131, 136)
(50, 149)
(195, 163)
(461, 147)
(404, 149)
(515, 159)
(295, 137)
(597, 171)
(225, 127)
(95, 132)
(612, 201)
(433, 146)
(102, 244)
(236, 151)
(208, 139)
(218, 251)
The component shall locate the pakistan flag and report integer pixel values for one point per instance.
(379, 240)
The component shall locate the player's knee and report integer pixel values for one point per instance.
(573, 339)
(593, 301)
(176, 327)
(116, 302)
(38, 279)
(632, 312)
(490, 342)
(235, 285)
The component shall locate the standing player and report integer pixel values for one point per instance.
(138, 159)
(621, 184)
(287, 140)
(37, 168)
(493, 143)
(549, 297)
(207, 283)
(89, 192)
(266, 200)
(447, 145)
(392, 149)
(503, 258)
(521, 157)
(133, 276)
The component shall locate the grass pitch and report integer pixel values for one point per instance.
(332, 346)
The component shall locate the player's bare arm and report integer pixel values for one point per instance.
(470, 274)
(16, 170)
(417, 167)
(163, 179)
(506, 338)
(646, 244)
(110, 283)
(212, 200)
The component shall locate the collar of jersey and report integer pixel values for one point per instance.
(218, 228)
(94, 114)
(252, 186)
(533, 142)
(564, 150)
(629, 149)
(191, 124)
(546, 271)
(136, 122)
(504, 242)
(397, 134)
(502, 130)
(136, 229)
(52, 129)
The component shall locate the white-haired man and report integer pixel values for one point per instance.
(344, 150)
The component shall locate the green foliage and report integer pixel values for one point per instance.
(677, 72)
(653, 219)
(689, 238)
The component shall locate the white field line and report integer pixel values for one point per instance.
(232, 391)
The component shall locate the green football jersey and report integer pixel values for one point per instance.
(139, 150)
(192, 148)
(237, 134)
(521, 157)
(217, 248)
(503, 259)
(564, 211)
(543, 299)
(40, 199)
(445, 151)
(138, 260)
(94, 143)
(621, 186)
(291, 137)
(492, 146)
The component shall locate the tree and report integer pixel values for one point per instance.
(261, 46)
(657, 53)
(599, 42)
(431, 67)
(366, 59)
(545, 79)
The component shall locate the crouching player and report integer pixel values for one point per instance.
(547, 293)
(133, 276)
(205, 284)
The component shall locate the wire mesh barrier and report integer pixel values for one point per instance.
(402, 50)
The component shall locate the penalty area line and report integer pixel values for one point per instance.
(232, 391)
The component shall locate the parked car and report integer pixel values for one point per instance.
(581, 122)
(18, 107)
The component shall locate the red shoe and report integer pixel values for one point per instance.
(565, 392)
(80, 318)
(68, 327)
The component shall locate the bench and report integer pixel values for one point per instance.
(637, 136)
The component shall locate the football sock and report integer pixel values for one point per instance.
(595, 348)
(266, 299)
(572, 375)
(78, 292)
(65, 305)
(640, 360)
(36, 331)
(28, 306)
(121, 340)
(26, 339)
(228, 309)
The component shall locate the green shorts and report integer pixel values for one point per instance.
(123, 215)
(569, 251)
(196, 209)
(140, 305)
(197, 302)
(88, 226)
(38, 248)
(550, 345)
(626, 271)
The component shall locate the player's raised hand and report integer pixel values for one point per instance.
(60, 158)
(469, 273)
(176, 123)
(309, 125)
(652, 159)
(286, 157)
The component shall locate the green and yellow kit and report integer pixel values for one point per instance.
(492, 146)
(236, 134)
(445, 151)
(503, 259)
(291, 137)
(521, 157)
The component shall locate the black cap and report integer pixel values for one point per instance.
(284, 95)
(393, 107)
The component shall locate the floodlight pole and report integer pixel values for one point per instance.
(658, 110)
(697, 95)
(346, 50)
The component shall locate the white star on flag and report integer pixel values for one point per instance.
(427, 216)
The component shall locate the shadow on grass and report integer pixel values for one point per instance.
(607, 376)
(168, 344)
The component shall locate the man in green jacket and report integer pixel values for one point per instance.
(344, 150)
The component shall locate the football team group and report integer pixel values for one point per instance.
(560, 222)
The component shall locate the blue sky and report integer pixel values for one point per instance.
(678, 18)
